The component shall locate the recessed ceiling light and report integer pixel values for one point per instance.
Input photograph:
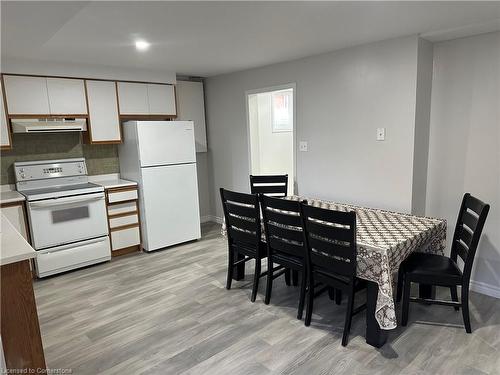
(142, 45)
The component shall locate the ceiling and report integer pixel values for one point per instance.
(209, 38)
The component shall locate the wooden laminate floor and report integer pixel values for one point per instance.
(168, 312)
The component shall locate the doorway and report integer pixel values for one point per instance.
(271, 128)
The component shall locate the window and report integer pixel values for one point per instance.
(282, 111)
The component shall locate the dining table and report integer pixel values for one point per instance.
(384, 239)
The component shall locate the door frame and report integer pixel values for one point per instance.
(293, 86)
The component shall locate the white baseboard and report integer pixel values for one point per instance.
(211, 218)
(483, 288)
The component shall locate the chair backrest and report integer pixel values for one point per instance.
(470, 223)
(242, 215)
(283, 226)
(330, 240)
(275, 185)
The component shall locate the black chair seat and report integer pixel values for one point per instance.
(430, 270)
(437, 269)
(249, 251)
(323, 275)
(288, 260)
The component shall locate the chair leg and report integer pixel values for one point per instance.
(465, 309)
(310, 299)
(302, 295)
(256, 277)
(406, 302)
(287, 276)
(454, 296)
(230, 268)
(401, 276)
(338, 296)
(295, 277)
(269, 286)
(331, 293)
(348, 317)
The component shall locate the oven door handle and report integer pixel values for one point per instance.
(66, 201)
(73, 245)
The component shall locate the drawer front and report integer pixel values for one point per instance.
(123, 220)
(122, 195)
(67, 257)
(125, 238)
(122, 208)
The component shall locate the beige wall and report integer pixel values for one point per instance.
(101, 159)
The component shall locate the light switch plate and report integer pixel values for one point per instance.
(380, 134)
(303, 146)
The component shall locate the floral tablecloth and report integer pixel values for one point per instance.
(384, 240)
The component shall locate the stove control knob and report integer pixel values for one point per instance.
(21, 170)
(23, 175)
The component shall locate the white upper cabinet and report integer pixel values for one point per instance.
(4, 124)
(103, 112)
(133, 98)
(161, 99)
(146, 99)
(26, 95)
(191, 106)
(66, 96)
(45, 96)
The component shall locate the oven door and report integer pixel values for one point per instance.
(67, 219)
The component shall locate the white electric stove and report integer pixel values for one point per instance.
(66, 213)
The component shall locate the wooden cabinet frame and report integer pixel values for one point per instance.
(130, 249)
(87, 135)
(7, 120)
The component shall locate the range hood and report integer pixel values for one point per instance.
(49, 125)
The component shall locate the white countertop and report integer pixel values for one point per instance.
(114, 183)
(14, 247)
(11, 196)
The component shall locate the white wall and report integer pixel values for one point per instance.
(422, 126)
(464, 154)
(341, 99)
(271, 153)
(253, 121)
(203, 187)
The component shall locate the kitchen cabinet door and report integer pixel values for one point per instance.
(66, 96)
(103, 112)
(5, 141)
(191, 106)
(133, 98)
(161, 99)
(26, 95)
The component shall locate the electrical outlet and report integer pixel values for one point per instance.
(380, 134)
(303, 146)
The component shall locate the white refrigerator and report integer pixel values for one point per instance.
(160, 156)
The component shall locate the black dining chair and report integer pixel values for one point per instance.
(274, 185)
(439, 270)
(242, 215)
(285, 242)
(330, 238)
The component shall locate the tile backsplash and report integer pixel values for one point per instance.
(101, 159)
